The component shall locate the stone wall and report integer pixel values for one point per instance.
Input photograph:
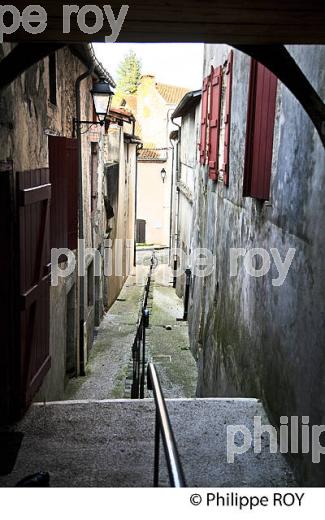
(251, 338)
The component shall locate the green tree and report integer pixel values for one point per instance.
(128, 74)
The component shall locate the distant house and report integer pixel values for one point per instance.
(152, 105)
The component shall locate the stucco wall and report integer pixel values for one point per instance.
(251, 338)
(154, 200)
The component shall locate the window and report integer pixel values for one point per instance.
(259, 132)
(90, 284)
(52, 78)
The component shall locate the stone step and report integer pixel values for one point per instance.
(110, 443)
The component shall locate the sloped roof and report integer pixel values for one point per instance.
(150, 152)
(189, 101)
(121, 111)
(171, 94)
(147, 154)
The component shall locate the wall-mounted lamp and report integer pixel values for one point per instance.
(163, 175)
(102, 95)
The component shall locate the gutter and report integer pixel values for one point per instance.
(86, 54)
(189, 101)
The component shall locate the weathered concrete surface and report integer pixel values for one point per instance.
(111, 444)
(167, 339)
(109, 358)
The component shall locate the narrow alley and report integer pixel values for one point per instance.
(108, 373)
(162, 217)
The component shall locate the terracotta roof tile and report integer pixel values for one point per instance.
(171, 94)
(151, 154)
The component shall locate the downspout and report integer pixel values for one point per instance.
(81, 234)
(171, 205)
(171, 180)
(138, 148)
(135, 199)
(177, 177)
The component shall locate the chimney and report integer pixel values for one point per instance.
(147, 81)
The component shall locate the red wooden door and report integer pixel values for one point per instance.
(63, 163)
(73, 191)
(33, 196)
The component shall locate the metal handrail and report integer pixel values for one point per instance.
(163, 426)
(139, 343)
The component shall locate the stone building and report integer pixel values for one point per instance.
(256, 328)
(152, 105)
(49, 204)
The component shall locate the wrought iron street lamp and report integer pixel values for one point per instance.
(163, 175)
(102, 95)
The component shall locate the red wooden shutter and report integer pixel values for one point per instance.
(204, 120)
(259, 134)
(227, 119)
(214, 123)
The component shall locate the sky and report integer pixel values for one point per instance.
(178, 64)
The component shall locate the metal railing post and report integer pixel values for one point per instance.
(139, 344)
(157, 451)
(174, 274)
(187, 292)
(163, 425)
(145, 324)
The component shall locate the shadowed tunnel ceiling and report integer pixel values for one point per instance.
(217, 21)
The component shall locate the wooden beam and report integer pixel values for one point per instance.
(278, 60)
(210, 21)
